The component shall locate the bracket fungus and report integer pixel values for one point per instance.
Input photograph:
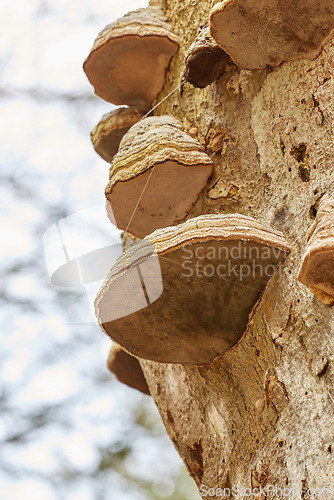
(205, 60)
(129, 59)
(127, 369)
(190, 300)
(108, 133)
(317, 267)
(267, 33)
(156, 176)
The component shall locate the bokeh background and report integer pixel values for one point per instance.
(68, 430)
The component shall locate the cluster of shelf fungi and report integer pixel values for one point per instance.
(158, 171)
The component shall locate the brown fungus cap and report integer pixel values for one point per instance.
(108, 133)
(127, 369)
(129, 59)
(185, 294)
(264, 33)
(317, 267)
(205, 61)
(156, 176)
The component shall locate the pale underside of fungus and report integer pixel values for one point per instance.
(205, 61)
(262, 33)
(317, 267)
(108, 133)
(185, 294)
(156, 176)
(127, 369)
(129, 59)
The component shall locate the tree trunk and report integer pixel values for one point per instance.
(262, 414)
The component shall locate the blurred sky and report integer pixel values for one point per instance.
(60, 409)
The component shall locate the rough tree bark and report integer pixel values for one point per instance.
(263, 413)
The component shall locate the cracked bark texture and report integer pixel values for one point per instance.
(262, 414)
